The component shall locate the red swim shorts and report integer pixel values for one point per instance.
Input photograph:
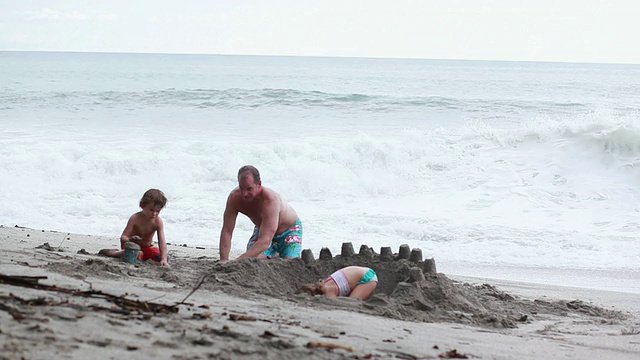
(149, 252)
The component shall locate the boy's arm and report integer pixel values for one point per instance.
(268, 229)
(128, 230)
(228, 224)
(162, 244)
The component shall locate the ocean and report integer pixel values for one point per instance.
(518, 170)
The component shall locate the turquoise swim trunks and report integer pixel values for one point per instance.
(286, 244)
(370, 275)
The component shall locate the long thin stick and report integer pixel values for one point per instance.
(194, 289)
(63, 239)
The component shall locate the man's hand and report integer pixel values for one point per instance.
(164, 262)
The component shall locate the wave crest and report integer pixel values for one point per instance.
(237, 98)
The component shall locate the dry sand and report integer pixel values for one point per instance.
(90, 306)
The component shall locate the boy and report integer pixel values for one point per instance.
(142, 226)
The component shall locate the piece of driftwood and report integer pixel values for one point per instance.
(241, 317)
(452, 354)
(315, 344)
(125, 304)
(21, 279)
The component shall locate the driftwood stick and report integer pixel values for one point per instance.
(315, 344)
(242, 317)
(9, 279)
(121, 301)
(63, 239)
(194, 289)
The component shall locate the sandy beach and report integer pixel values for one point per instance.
(62, 300)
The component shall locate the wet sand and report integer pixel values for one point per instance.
(200, 308)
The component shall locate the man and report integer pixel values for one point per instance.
(278, 230)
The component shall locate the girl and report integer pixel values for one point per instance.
(352, 281)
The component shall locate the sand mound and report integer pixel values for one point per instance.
(405, 291)
(408, 287)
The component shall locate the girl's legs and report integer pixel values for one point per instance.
(362, 291)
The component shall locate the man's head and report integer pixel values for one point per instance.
(249, 182)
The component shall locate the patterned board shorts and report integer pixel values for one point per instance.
(286, 244)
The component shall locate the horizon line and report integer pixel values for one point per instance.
(315, 56)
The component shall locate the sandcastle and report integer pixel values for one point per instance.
(366, 254)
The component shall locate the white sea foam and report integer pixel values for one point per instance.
(483, 176)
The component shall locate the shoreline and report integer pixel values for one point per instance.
(279, 325)
(622, 281)
(614, 280)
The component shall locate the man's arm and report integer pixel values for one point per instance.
(228, 224)
(268, 229)
(162, 244)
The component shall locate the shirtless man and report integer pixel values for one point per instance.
(278, 230)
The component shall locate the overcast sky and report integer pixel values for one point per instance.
(540, 30)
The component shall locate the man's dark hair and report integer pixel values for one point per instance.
(251, 170)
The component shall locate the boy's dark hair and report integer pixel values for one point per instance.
(251, 170)
(154, 196)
